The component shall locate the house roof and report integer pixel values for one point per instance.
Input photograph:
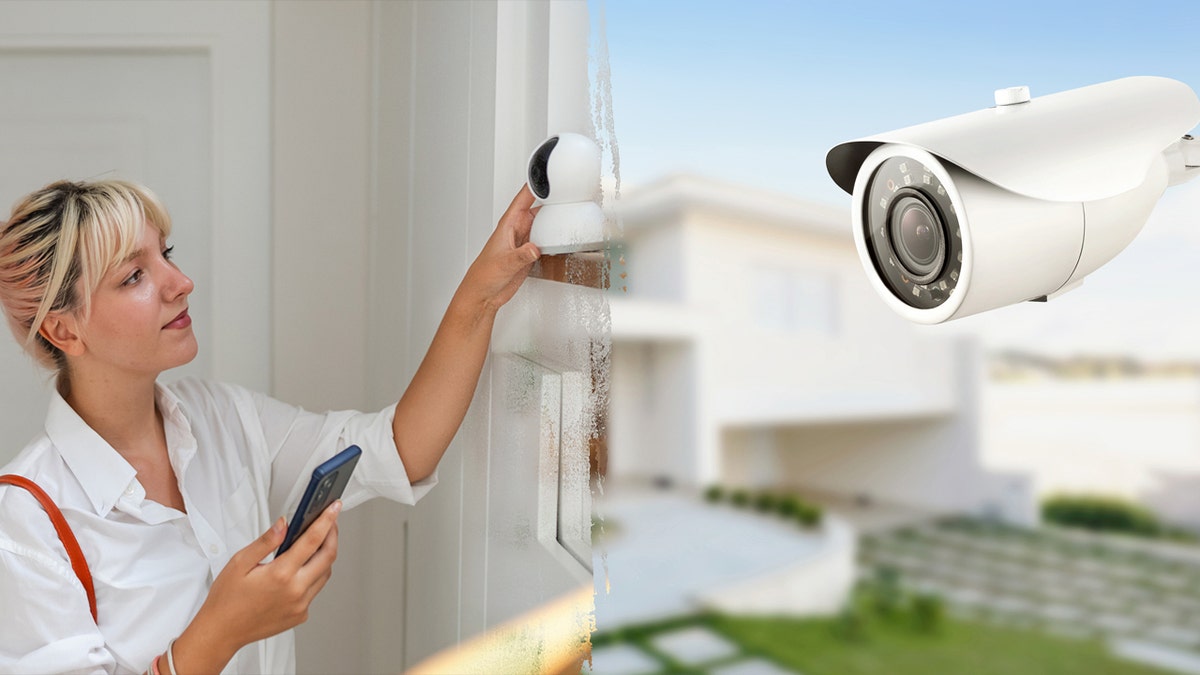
(667, 200)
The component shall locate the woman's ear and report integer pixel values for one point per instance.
(62, 331)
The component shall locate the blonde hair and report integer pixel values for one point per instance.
(57, 245)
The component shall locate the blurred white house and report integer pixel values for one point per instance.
(749, 349)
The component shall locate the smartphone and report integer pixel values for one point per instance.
(326, 485)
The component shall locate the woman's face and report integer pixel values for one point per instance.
(139, 322)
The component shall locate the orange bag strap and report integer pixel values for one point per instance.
(78, 562)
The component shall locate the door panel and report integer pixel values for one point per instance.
(176, 96)
(94, 114)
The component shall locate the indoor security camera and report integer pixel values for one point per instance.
(1016, 202)
(564, 174)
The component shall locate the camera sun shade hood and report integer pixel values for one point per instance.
(1075, 146)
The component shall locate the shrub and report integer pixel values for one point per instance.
(885, 592)
(1180, 535)
(788, 506)
(850, 624)
(929, 612)
(739, 498)
(1101, 513)
(714, 493)
(809, 515)
(765, 501)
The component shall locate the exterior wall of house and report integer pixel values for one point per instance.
(929, 462)
(1134, 438)
(798, 334)
(786, 335)
(656, 262)
(653, 395)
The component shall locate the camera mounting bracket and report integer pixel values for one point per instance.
(1183, 160)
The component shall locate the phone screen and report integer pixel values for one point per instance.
(327, 484)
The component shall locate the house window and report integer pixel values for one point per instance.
(792, 300)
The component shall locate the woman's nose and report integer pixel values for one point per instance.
(181, 284)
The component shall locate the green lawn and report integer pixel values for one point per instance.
(894, 647)
(814, 648)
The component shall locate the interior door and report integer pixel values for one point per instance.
(95, 90)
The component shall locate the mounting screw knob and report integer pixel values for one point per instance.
(1012, 96)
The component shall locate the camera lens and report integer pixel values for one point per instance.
(917, 236)
(539, 165)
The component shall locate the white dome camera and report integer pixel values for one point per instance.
(564, 173)
(1016, 202)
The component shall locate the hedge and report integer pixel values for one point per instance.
(1101, 513)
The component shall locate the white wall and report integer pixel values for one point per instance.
(321, 142)
(1132, 438)
(655, 261)
(825, 348)
(652, 431)
(926, 462)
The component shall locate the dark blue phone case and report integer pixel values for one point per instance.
(326, 485)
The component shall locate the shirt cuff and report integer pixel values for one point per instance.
(380, 472)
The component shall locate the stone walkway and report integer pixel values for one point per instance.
(695, 647)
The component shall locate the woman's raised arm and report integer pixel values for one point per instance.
(433, 406)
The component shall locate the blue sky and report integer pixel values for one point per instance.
(756, 93)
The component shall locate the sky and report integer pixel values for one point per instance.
(756, 92)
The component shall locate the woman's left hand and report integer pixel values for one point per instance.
(506, 258)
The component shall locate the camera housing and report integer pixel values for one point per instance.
(1016, 202)
(564, 174)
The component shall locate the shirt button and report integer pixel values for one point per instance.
(129, 490)
(213, 549)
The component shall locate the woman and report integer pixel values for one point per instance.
(174, 491)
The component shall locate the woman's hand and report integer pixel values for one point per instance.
(506, 258)
(250, 600)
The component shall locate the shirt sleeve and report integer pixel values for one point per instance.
(298, 441)
(45, 624)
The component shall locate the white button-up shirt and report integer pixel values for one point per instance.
(242, 460)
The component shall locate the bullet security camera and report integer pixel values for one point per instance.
(564, 174)
(1016, 202)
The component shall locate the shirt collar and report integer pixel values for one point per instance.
(102, 471)
(181, 444)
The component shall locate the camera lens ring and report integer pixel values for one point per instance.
(921, 276)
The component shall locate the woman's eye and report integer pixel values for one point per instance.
(168, 252)
(132, 278)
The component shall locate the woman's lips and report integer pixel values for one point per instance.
(181, 321)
